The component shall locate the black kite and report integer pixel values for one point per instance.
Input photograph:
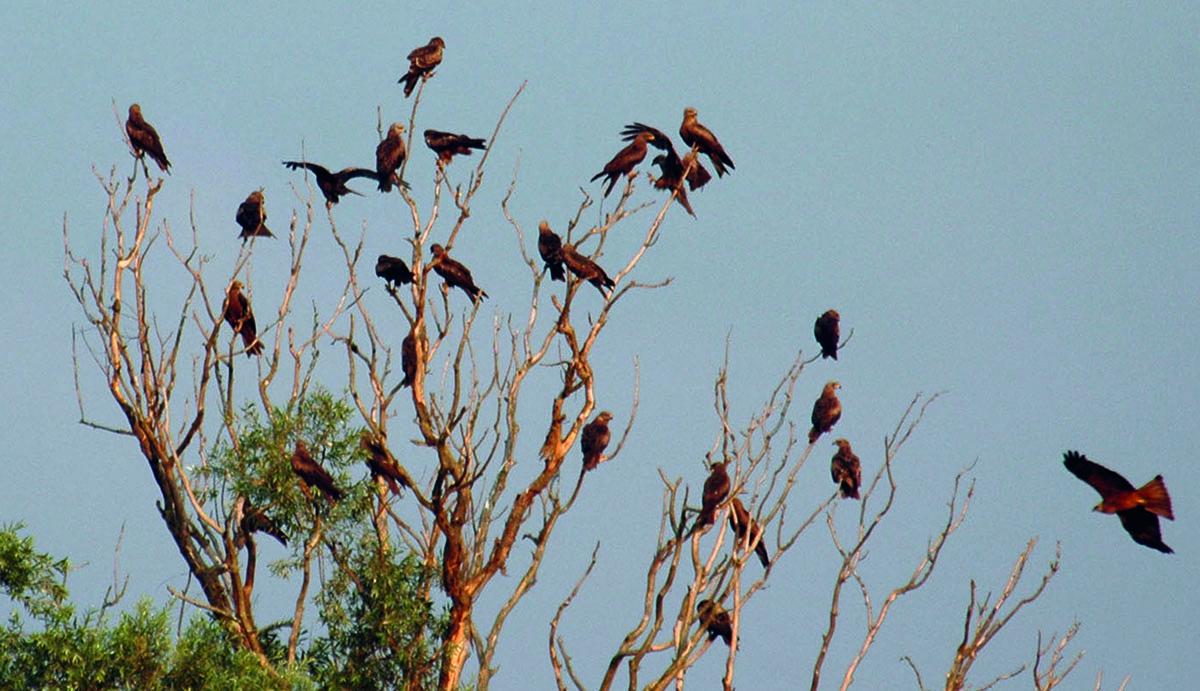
(446, 144)
(408, 359)
(846, 469)
(703, 140)
(313, 474)
(826, 411)
(740, 521)
(421, 62)
(594, 439)
(550, 249)
(393, 270)
(381, 464)
(145, 139)
(455, 274)
(715, 620)
(333, 185)
(256, 520)
(1138, 509)
(586, 269)
(240, 317)
(625, 160)
(716, 488)
(827, 333)
(389, 155)
(252, 217)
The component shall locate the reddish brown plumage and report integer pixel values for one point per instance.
(704, 141)
(311, 473)
(594, 439)
(550, 249)
(826, 411)
(252, 217)
(716, 488)
(446, 144)
(453, 273)
(389, 155)
(846, 469)
(421, 62)
(240, 317)
(144, 138)
(740, 521)
(625, 161)
(586, 269)
(1137, 508)
(715, 620)
(380, 462)
(408, 359)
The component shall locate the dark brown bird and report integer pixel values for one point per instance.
(1138, 509)
(674, 169)
(145, 139)
(421, 62)
(446, 145)
(671, 178)
(389, 154)
(716, 488)
(240, 317)
(381, 464)
(550, 248)
(252, 217)
(456, 275)
(333, 185)
(695, 173)
(586, 269)
(393, 270)
(408, 359)
(594, 439)
(313, 474)
(827, 333)
(846, 469)
(715, 620)
(826, 411)
(625, 160)
(703, 140)
(255, 520)
(740, 521)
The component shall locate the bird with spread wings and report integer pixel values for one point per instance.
(1138, 508)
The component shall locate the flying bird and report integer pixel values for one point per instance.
(625, 160)
(716, 488)
(550, 249)
(381, 464)
(826, 411)
(740, 521)
(1138, 509)
(333, 185)
(252, 217)
(393, 270)
(446, 144)
(389, 154)
(703, 140)
(715, 620)
(144, 138)
(594, 439)
(255, 520)
(846, 469)
(586, 269)
(240, 317)
(421, 62)
(455, 274)
(313, 474)
(408, 359)
(827, 333)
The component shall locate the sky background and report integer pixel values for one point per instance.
(1001, 199)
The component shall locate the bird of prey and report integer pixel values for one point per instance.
(240, 317)
(703, 140)
(381, 464)
(393, 270)
(313, 474)
(740, 521)
(593, 440)
(586, 269)
(846, 470)
(550, 248)
(671, 178)
(408, 359)
(455, 274)
(255, 520)
(826, 411)
(145, 139)
(673, 168)
(389, 154)
(827, 333)
(716, 488)
(421, 62)
(1138, 509)
(446, 144)
(715, 620)
(625, 160)
(252, 217)
(333, 185)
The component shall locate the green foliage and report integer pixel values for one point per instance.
(34, 580)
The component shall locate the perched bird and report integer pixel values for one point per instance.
(671, 178)
(381, 464)
(144, 138)
(333, 185)
(826, 411)
(625, 160)
(393, 270)
(456, 275)
(1138, 508)
(740, 521)
(715, 620)
(389, 154)
(240, 317)
(586, 269)
(846, 469)
(255, 520)
(312, 473)
(716, 488)
(695, 173)
(446, 145)
(550, 248)
(703, 140)
(421, 62)
(673, 168)
(408, 359)
(252, 217)
(827, 333)
(593, 440)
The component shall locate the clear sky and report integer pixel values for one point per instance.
(1001, 199)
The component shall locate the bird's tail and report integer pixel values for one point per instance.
(813, 433)
(410, 82)
(1154, 498)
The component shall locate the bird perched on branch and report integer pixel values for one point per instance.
(421, 62)
(455, 274)
(447, 144)
(1138, 509)
(252, 217)
(333, 185)
(381, 464)
(703, 140)
(846, 469)
(625, 160)
(827, 410)
(550, 249)
(594, 439)
(715, 620)
(313, 474)
(389, 155)
(827, 333)
(740, 521)
(408, 359)
(255, 520)
(716, 488)
(674, 169)
(393, 270)
(240, 317)
(586, 269)
(144, 139)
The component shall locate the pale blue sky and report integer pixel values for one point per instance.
(1001, 199)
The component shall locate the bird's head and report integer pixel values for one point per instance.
(689, 113)
(438, 251)
(235, 286)
(604, 416)
(396, 129)
(832, 386)
(437, 41)
(833, 313)
(841, 443)
(544, 227)
(135, 111)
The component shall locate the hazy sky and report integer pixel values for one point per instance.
(1001, 199)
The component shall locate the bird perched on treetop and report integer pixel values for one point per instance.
(625, 160)
(827, 410)
(846, 469)
(1138, 508)
(586, 269)
(144, 138)
(389, 155)
(393, 270)
(594, 439)
(716, 488)
(421, 62)
(455, 274)
(446, 144)
(240, 318)
(827, 333)
(703, 140)
(740, 521)
(252, 217)
(550, 249)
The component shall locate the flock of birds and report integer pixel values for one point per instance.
(1137, 508)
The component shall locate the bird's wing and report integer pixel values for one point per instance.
(1103, 480)
(1142, 526)
(659, 141)
(317, 170)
